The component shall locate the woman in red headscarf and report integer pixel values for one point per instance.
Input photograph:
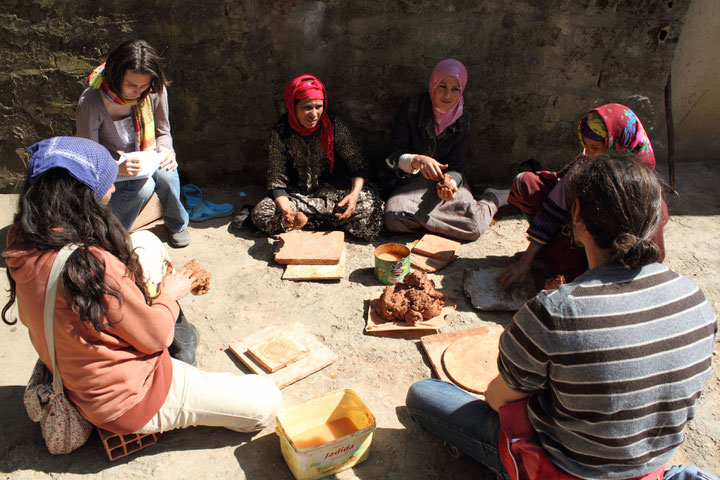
(427, 154)
(316, 173)
(544, 197)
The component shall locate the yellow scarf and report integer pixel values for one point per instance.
(142, 109)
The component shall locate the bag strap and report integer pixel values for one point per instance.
(49, 312)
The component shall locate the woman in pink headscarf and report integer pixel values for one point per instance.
(427, 151)
(316, 173)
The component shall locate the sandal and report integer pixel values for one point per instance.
(193, 195)
(207, 210)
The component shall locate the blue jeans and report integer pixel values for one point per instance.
(688, 472)
(131, 195)
(458, 418)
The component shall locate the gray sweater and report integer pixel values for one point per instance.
(94, 122)
(613, 363)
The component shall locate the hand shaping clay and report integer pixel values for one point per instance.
(202, 278)
(412, 300)
(553, 283)
(295, 220)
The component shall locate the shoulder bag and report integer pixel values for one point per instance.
(63, 428)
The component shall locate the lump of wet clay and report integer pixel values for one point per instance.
(202, 277)
(392, 306)
(418, 279)
(553, 283)
(295, 220)
(412, 300)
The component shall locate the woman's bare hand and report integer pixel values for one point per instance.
(429, 167)
(132, 164)
(167, 159)
(293, 219)
(447, 188)
(351, 201)
(179, 284)
(515, 273)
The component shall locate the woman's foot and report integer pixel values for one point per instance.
(179, 239)
(501, 196)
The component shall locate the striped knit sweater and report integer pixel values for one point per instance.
(613, 363)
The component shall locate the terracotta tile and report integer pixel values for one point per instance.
(437, 247)
(310, 248)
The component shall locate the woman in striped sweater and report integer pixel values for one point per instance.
(610, 365)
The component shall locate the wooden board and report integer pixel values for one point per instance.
(316, 272)
(151, 211)
(435, 345)
(310, 248)
(471, 362)
(376, 325)
(486, 292)
(434, 246)
(277, 352)
(320, 356)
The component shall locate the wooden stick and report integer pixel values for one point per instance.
(670, 131)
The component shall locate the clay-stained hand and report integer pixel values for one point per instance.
(293, 219)
(132, 164)
(179, 284)
(447, 188)
(167, 158)
(350, 203)
(429, 167)
(515, 273)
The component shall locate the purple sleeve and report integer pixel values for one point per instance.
(162, 120)
(553, 213)
(87, 117)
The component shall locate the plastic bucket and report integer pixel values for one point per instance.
(392, 263)
(329, 457)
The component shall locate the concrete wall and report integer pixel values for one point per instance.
(696, 84)
(535, 67)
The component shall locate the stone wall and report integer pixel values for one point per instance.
(696, 84)
(535, 67)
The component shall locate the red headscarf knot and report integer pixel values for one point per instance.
(305, 87)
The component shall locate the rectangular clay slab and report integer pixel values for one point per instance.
(435, 246)
(427, 264)
(310, 248)
(277, 352)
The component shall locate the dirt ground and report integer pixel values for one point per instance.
(247, 294)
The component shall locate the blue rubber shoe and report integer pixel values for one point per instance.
(207, 210)
(193, 196)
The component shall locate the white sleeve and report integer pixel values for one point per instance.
(405, 163)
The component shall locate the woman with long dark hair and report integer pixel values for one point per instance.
(111, 332)
(598, 377)
(125, 109)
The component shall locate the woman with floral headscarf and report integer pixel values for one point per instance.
(430, 137)
(316, 173)
(544, 197)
